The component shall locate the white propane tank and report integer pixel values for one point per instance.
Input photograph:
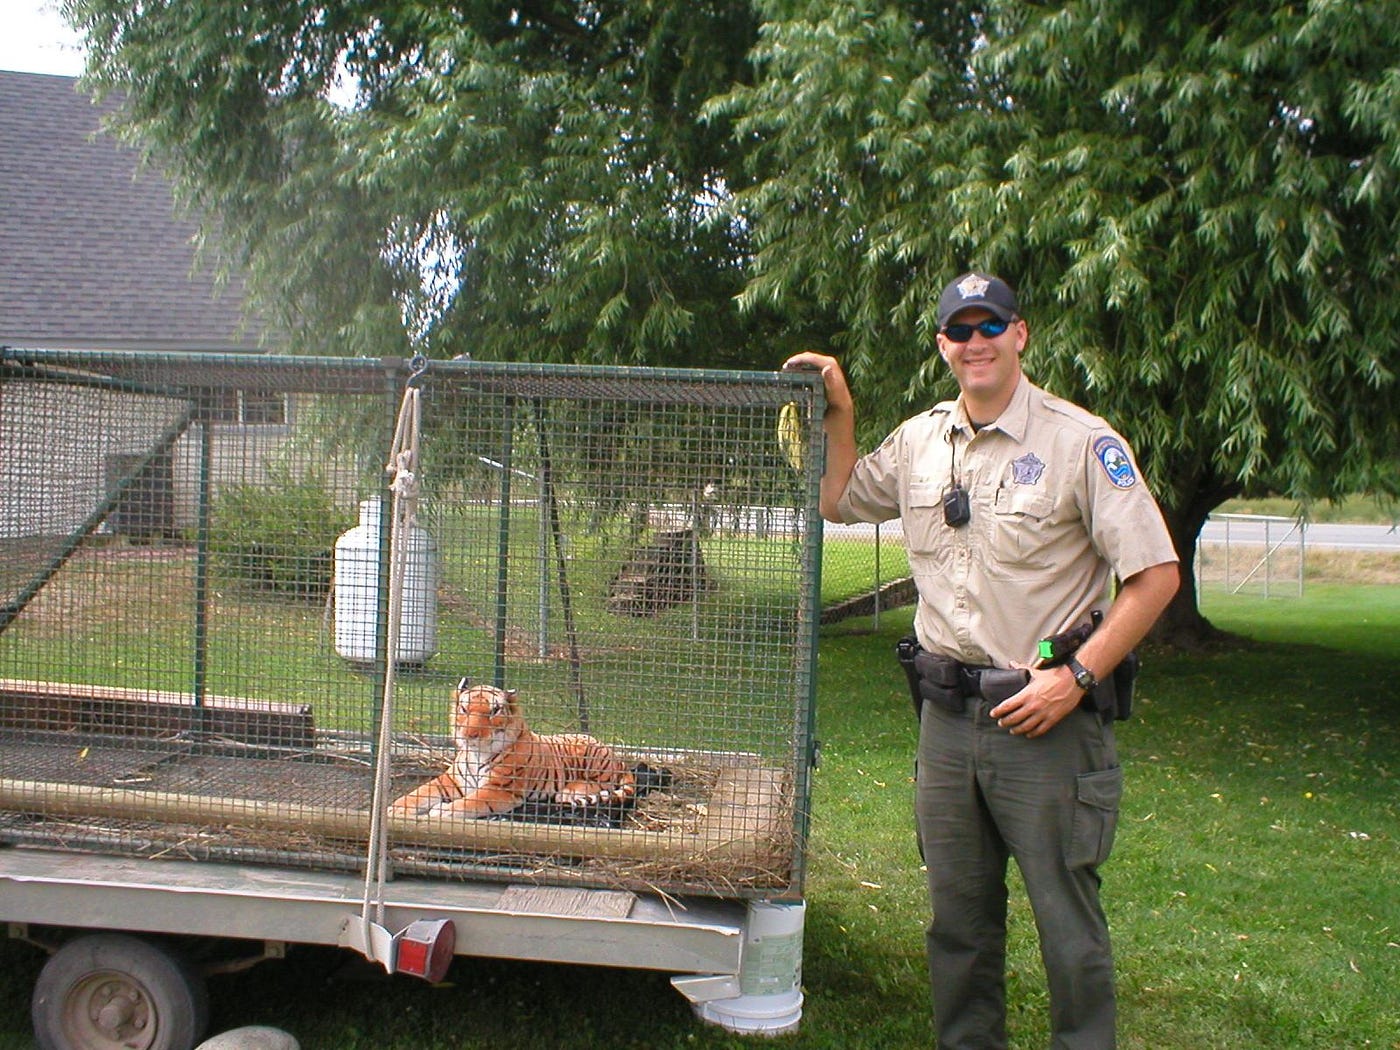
(357, 593)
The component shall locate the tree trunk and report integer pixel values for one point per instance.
(1181, 625)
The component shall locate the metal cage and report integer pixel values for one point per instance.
(197, 586)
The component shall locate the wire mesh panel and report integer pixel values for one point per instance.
(605, 602)
(1252, 554)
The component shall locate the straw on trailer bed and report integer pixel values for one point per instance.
(746, 818)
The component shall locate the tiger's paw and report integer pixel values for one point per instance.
(579, 799)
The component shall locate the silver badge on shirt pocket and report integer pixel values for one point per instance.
(1027, 470)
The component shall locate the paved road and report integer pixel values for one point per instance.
(1241, 529)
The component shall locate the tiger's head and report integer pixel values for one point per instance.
(486, 720)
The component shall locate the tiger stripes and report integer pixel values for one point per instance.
(500, 764)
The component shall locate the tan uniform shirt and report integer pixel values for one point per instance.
(1058, 507)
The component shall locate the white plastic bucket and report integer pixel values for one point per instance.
(357, 593)
(770, 974)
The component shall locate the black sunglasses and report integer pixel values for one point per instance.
(990, 329)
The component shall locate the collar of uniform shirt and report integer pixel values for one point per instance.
(1012, 420)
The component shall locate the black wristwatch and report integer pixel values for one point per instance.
(1083, 677)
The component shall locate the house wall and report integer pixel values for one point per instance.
(63, 448)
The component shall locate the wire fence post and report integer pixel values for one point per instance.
(878, 577)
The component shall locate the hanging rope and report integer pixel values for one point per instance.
(404, 486)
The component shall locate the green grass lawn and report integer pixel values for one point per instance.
(1253, 891)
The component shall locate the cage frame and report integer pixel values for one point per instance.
(722, 945)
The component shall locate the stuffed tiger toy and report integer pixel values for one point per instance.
(501, 764)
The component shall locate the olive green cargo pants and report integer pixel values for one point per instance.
(983, 796)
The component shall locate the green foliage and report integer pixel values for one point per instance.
(278, 536)
(1215, 232)
(509, 181)
(1189, 197)
(1199, 202)
(844, 201)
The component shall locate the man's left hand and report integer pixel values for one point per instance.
(1046, 700)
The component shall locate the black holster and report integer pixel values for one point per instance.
(948, 683)
(940, 681)
(904, 651)
(932, 678)
(1112, 698)
(1124, 677)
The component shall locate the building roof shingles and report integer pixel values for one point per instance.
(93, 250)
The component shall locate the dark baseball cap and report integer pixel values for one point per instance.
(977, 289)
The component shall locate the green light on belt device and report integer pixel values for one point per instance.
(1058, 647)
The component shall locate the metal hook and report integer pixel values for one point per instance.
(418, 367)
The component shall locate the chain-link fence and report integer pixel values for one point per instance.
(202, 558)
(865, 571)
(1252, 554)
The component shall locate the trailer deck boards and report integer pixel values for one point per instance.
(216, 899)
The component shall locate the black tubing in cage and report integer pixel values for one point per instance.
(551, 508)
(498, 676)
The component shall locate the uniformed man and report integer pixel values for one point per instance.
(1019, 510)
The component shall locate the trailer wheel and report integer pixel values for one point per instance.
(109, 991)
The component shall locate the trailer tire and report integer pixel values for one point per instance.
(110, 991)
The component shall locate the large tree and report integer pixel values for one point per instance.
(502, 179)
(1198, 201)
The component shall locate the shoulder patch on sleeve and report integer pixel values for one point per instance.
(1109, 451)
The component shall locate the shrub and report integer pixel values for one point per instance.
(278, 536)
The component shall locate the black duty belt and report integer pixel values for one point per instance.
(950, 683)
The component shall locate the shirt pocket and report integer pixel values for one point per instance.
(924, 529)
(1022, 531)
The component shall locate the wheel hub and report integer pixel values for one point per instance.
(109, 1011)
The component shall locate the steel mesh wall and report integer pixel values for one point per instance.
(193, 565)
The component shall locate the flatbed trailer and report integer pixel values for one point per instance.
(737, 962)
(188, 751)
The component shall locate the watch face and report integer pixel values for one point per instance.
(1082, 675)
